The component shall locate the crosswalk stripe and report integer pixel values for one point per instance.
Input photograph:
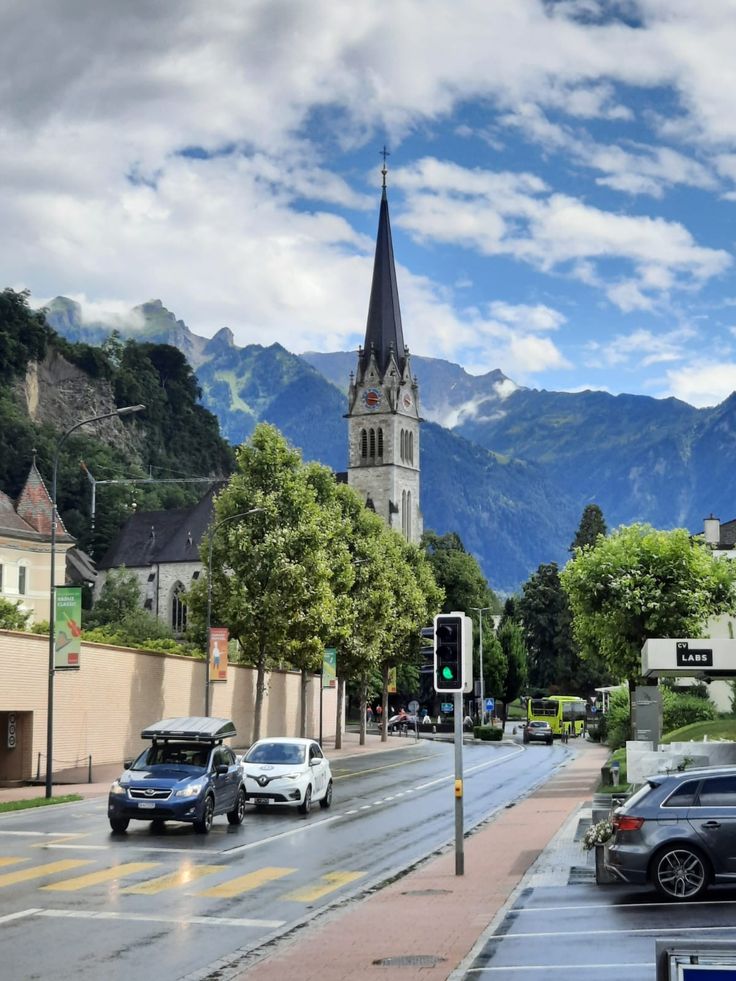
(103, 875)
(181, 877)
(332, 881)
(38, 871)
(246, 883)
(7, 860)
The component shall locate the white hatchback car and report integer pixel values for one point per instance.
(280, 770)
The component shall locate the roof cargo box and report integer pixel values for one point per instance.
(194, 727)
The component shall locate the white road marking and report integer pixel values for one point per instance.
(78, 914)
(605, 933)
(598, 968)
(283, 834)
(586, 906)
(135, 848)
(19, 915)
(467, 771)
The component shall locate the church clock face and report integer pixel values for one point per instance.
(407, 401)
(372, 398)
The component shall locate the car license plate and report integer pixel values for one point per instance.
(261, 800)
(146, 803)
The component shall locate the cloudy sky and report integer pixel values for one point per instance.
(562, 178)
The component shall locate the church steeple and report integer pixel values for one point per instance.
(383, 332)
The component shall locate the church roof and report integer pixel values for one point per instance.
(151, 537)
(383, 330)
(34, 505)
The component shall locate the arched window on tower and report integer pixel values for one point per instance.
(411, 447)
(403, 513)
(380, 442)
(178, 610)
(363, 443)
(401, 445)
(373, 443)
(408, 516)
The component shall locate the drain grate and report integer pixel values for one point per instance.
(410, 960)
(427, 892)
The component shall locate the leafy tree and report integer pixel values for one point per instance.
(511, 638)
(457, 572)
(12, 615)
(592, 524)
(119, 596)
(639, 583)
(547, 622)
(24, 334)
(271, 571)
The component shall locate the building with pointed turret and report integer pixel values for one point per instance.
(383, 405)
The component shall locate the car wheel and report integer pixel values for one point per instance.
(327, 799)
(680, 872)
(238, 812)
(204, 824)
(119, 825)
(306, 805)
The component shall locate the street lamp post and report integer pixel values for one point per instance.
(480, 610)
(124, 411)
(231, 517)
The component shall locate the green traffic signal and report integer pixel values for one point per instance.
(447, 673)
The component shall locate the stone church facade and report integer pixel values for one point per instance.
(383, 402)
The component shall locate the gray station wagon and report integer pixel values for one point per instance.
(678, 832)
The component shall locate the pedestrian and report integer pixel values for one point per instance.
(379, 713)
(369, 715)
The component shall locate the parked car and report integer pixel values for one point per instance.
(401, 723)
(538, 732)
(678, 832)
(281, 770)
(186, 774)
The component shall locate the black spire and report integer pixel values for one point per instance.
(383, 330)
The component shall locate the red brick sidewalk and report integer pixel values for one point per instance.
(431, 912)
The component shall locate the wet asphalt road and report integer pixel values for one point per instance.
(78, 902)
(604, 932)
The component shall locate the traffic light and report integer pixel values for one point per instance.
(449, 638)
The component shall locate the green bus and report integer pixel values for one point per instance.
(560, 711)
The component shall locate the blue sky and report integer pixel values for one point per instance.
(562, 177)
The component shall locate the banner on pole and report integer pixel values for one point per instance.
(329, 668)
(392, 681)
(218, 653)
(67, 626)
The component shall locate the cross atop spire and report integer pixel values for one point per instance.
(384, 170)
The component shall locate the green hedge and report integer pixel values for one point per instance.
(488, 734)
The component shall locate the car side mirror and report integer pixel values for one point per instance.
(127, 764)
(221, 769)
(314, 762)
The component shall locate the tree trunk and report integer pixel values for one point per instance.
(260, 692)
(305, 679)
(362, 709)
(384, 703)
(339, 712)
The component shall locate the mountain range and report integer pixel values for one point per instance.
(510, 469)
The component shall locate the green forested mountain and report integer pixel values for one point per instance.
(49, 384)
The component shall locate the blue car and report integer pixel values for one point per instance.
(186, 774)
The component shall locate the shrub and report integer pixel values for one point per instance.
(680, 710)
(12, 615)
(488, 734)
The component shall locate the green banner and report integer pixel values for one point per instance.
(329, 668)
(68, 626)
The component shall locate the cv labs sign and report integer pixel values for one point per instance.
(714, 657)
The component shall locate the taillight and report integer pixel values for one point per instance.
(622, 822)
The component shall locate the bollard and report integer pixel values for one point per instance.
(89, 769)
(38, 768)
(615, 772)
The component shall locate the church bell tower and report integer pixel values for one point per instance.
(383, 411)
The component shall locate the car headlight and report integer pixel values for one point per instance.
(193, 790)
(117, 788)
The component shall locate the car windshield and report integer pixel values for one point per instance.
(275, 753)
(539, 725)
(173, 754)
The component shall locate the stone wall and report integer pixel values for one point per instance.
(101, 708)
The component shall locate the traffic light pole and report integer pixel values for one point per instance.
(459, 820)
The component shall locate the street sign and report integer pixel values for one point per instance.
(490, 704)
(593, 709)
(447, 707)
(413, 707)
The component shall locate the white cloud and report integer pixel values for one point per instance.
(703, 384)
(641, 347)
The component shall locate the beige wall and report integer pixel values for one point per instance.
(100, 709)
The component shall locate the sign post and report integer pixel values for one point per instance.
(328, 678)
